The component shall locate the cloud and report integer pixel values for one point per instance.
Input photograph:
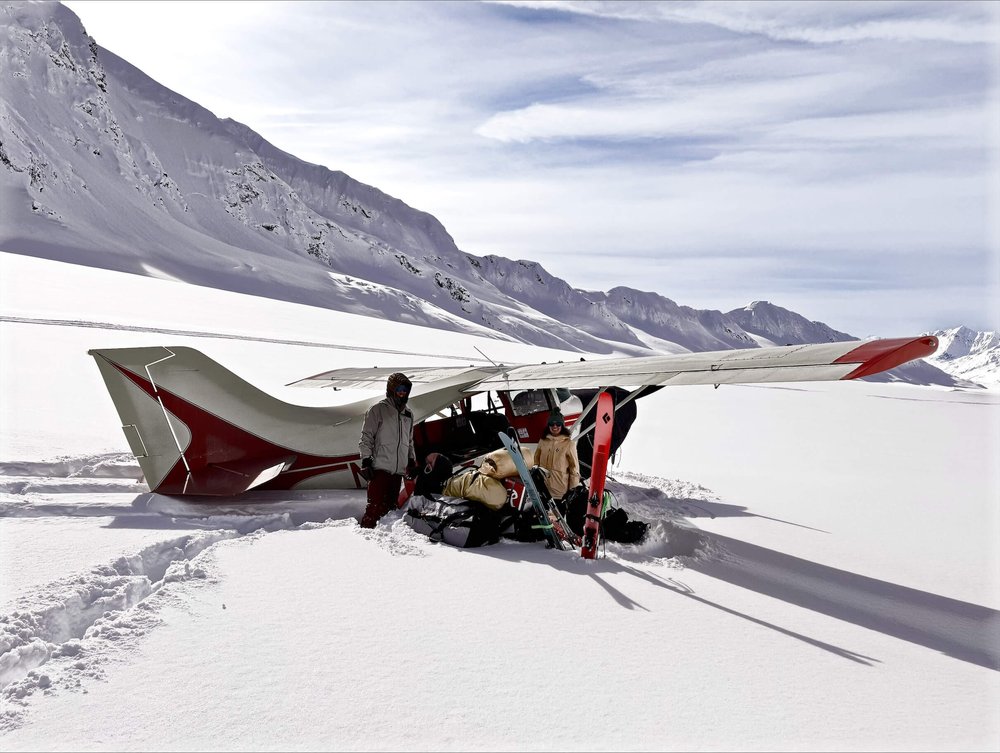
(677, 109)
(813, 22)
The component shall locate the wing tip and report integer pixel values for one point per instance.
(877, 356)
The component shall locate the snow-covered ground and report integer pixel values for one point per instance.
(823, 571)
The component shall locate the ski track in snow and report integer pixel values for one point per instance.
(65, 633)
(62, 635)
(108, 473)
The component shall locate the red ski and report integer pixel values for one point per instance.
(603, 423)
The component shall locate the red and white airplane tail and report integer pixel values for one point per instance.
(196, 428)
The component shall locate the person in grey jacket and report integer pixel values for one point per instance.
(386, 448)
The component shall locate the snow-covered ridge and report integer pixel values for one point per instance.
(661, 317)
(968, 354)
(100, 165)
(784, 327)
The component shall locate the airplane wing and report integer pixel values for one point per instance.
(792, 363)
(374, 378)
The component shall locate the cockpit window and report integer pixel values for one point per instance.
(526, 402)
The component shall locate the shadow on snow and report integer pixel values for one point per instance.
(958, 629)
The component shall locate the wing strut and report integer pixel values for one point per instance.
(574, 435)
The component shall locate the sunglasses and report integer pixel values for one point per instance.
(402, 391)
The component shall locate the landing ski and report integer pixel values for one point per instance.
(603, 424)
(557, 531)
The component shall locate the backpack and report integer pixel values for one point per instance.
(575, 500)
(615, 526)
(471, 484)
(526, 526)
(437, 469)
(538, 476)
(458, 522)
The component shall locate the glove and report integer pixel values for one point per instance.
(412, 469)
(367, 469)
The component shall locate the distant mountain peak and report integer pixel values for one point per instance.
(784, 327)
(969, 354)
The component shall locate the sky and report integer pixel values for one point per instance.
(792, 595)
(838, 159)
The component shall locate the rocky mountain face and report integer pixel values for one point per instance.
(101, 165)
(694, 329)
(783, 327)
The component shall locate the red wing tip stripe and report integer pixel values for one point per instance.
(881, 355)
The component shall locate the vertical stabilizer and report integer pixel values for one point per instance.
(198, 429)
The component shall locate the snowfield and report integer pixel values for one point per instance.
(822, 571)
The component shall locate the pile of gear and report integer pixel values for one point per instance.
(476, 506)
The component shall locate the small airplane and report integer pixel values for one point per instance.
(197, 429)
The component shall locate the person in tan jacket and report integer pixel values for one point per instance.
(556, 453)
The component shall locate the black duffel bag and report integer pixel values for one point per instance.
(456, 521)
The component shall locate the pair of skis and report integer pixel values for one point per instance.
(557, 530)
(604, 422)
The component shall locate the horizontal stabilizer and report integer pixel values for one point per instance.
(227, 479)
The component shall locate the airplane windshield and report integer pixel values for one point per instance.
(527, 402)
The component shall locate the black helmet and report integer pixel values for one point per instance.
(397, 381)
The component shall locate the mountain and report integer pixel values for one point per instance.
(100, 165)
(968, 354)
(779, 326)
